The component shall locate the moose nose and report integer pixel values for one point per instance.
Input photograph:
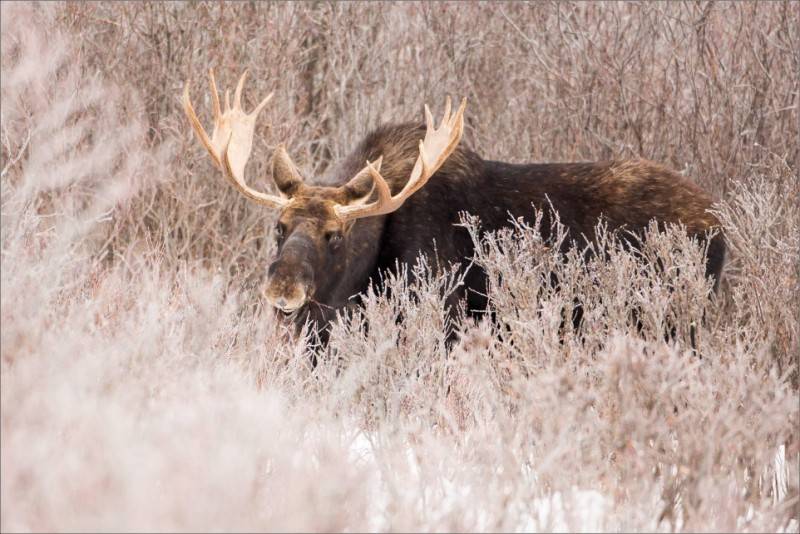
(300, 272)
(286, 290)
(288, 303)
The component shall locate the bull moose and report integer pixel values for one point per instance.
(400, 195)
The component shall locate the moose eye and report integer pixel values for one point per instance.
(334, 238)
(280, 231)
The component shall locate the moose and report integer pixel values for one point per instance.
(401, 192)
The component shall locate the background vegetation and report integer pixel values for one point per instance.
(146, 386)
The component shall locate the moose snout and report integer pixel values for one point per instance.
(289, 285)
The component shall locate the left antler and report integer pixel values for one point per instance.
(433, 152)
(232, 139)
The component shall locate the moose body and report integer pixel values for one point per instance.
(338, 233)
(626, 194)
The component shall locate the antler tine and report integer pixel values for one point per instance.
(447, 108)
(231, 142)
(429, 125)
(214, 94)
(458, 118)
(261, 105)
(384, 192)
(198, 126)
(434, 149)
(237, 99)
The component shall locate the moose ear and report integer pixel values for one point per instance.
(359, 189)
(285, 173)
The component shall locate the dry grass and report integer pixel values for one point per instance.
(146, 387)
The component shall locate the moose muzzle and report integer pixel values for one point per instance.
(291, 276)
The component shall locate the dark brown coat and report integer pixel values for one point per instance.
(626, 194)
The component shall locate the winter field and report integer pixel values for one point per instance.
(145, 385)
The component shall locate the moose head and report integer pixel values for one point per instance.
(314, 222)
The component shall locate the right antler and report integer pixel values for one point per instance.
(433, 151)
(232, 139)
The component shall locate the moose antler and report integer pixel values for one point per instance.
(232, 139)
(434, 150)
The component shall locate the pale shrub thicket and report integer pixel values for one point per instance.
(144, 385)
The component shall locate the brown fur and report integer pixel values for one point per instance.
(625, 194)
